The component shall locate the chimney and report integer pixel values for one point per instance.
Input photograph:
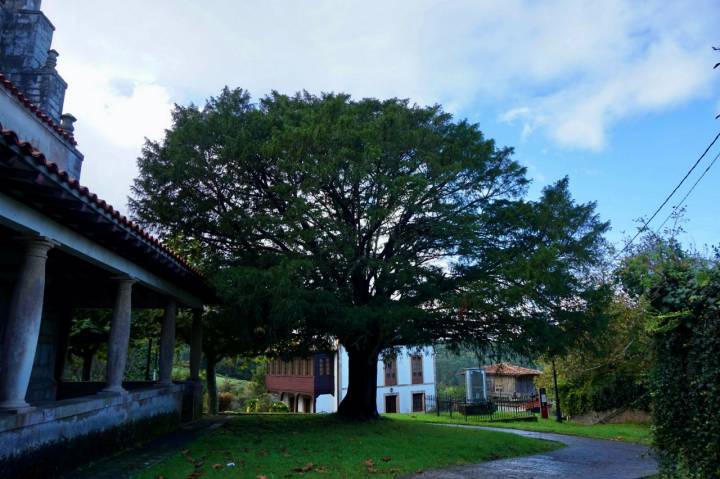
(67, 122)
(51, 61)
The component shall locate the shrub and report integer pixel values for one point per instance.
(684, 321)
(251, 405)
(279, 407)
(225, 401)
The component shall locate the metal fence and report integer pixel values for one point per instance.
(496, 408)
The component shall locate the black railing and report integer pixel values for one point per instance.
(496, 408)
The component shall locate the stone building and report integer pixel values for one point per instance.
(26, 57)
(62, 248)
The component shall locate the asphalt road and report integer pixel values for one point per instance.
(581, 458)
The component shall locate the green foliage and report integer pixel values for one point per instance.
(683, 291)
(261, 403)
(279, 407)
(379, 223)
(610, 368)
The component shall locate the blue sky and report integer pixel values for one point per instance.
(618, 95)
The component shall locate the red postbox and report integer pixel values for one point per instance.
(543, 404)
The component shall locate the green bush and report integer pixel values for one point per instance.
(684, 322)
(686, 378)
(251, 405)
(261, 403)
(279, 407)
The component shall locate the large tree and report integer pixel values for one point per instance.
(376, 223)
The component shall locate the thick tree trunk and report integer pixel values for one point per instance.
(211, 385)
(87, 366)
(360, 402)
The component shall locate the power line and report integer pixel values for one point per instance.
(679, 204)
(672, 193)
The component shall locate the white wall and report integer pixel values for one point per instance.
(404, 388)
(325, 403)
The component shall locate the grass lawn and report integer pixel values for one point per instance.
(288, 445)
(630, 432)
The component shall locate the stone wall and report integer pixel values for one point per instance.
(49, 440)
(26, 57)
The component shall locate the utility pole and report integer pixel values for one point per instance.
(558, 413)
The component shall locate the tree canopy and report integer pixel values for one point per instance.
(376, 223)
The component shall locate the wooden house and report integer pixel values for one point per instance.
(509, 380)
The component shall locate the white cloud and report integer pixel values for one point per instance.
(568, 69)
(117, 111)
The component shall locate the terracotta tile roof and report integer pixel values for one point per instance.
(507, 369)
(38, 161)
(10, 86)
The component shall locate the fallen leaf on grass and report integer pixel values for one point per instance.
(261, 477)
(387, 459)
(217, 466)
(369, 463)
(306, 468)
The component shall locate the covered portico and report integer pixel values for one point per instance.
(63, 249)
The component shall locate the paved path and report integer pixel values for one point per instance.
(582, 458)
(129, 463)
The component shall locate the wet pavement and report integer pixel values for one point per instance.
(582, 458)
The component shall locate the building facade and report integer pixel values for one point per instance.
(509, 380)
(63, 249)
(405, 378)
(300, 381)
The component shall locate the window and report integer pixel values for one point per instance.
(418, 402)
(416, 366)
(308, 367)
(324, 368)
(390, 372)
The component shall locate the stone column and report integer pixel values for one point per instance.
(119, 336)
(167, 344)
(23, 326)
(196, 345)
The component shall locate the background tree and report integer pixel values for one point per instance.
(89, 332)
(378, 223)
(611, 368)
